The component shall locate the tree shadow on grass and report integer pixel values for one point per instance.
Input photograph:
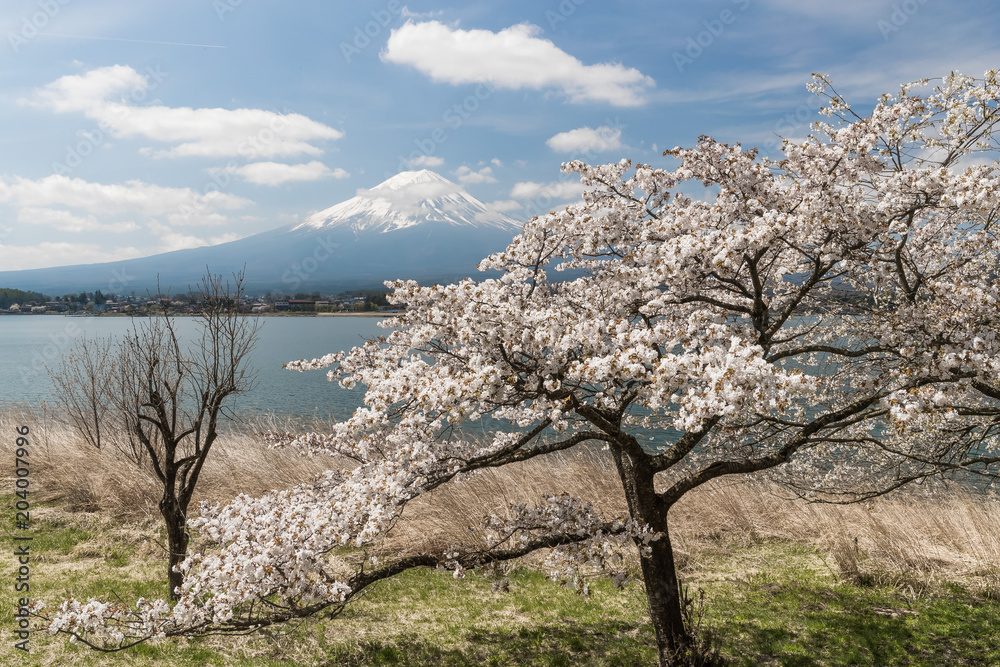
(804, 627)
(563, 645)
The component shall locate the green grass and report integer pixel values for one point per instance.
(428, 618)
(795, 613)
(768, 603)
(793, 622)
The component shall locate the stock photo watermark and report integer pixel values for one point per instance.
(22, 539)
(363, 35)
(300, 271)
(50, 352)
(223, 7)
(33, 24)
(120, 279)
(803, 114)
(543, 202)
(220, 179)
(77, 152)
(563, 11)
(704, 39)
(900, 16)
(453, 118)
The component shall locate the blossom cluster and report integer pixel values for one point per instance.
(599, 545)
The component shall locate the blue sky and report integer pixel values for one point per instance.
(132, 128)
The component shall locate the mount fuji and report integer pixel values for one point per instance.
(416, 225)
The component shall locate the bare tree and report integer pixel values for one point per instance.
(83, 385)
(165, 395)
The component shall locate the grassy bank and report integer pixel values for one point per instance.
(906, 580)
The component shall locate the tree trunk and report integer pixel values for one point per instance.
(664, 600)
(177, 541)
(658, 572)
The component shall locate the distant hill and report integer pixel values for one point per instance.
(416, 225)
(9, 297)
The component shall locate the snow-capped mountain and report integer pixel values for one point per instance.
(416, 225)
(407, 199)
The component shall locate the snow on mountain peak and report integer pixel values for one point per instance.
(410, 198)
(406, 179)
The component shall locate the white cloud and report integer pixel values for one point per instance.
(171, 240)
(465, 175)
(587, 140)
(277, 173)
(514, 58)
(68, 222)
(174, 241)
(426, 161)
(408, 14)
(75, 206)
(496, 162)
(503, 205)
(248, 133)
(84, 92)
(411, 192)
(193, 217)
(559, 190)
(130, 197)
(64, 253)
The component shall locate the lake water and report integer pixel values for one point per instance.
(29, 343)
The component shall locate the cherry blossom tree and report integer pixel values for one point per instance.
(816, 317)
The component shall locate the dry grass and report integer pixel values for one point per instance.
(907, 539)
(454, 513)
(904, 538)
(83, 478)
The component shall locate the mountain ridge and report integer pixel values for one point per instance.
(415, 225)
